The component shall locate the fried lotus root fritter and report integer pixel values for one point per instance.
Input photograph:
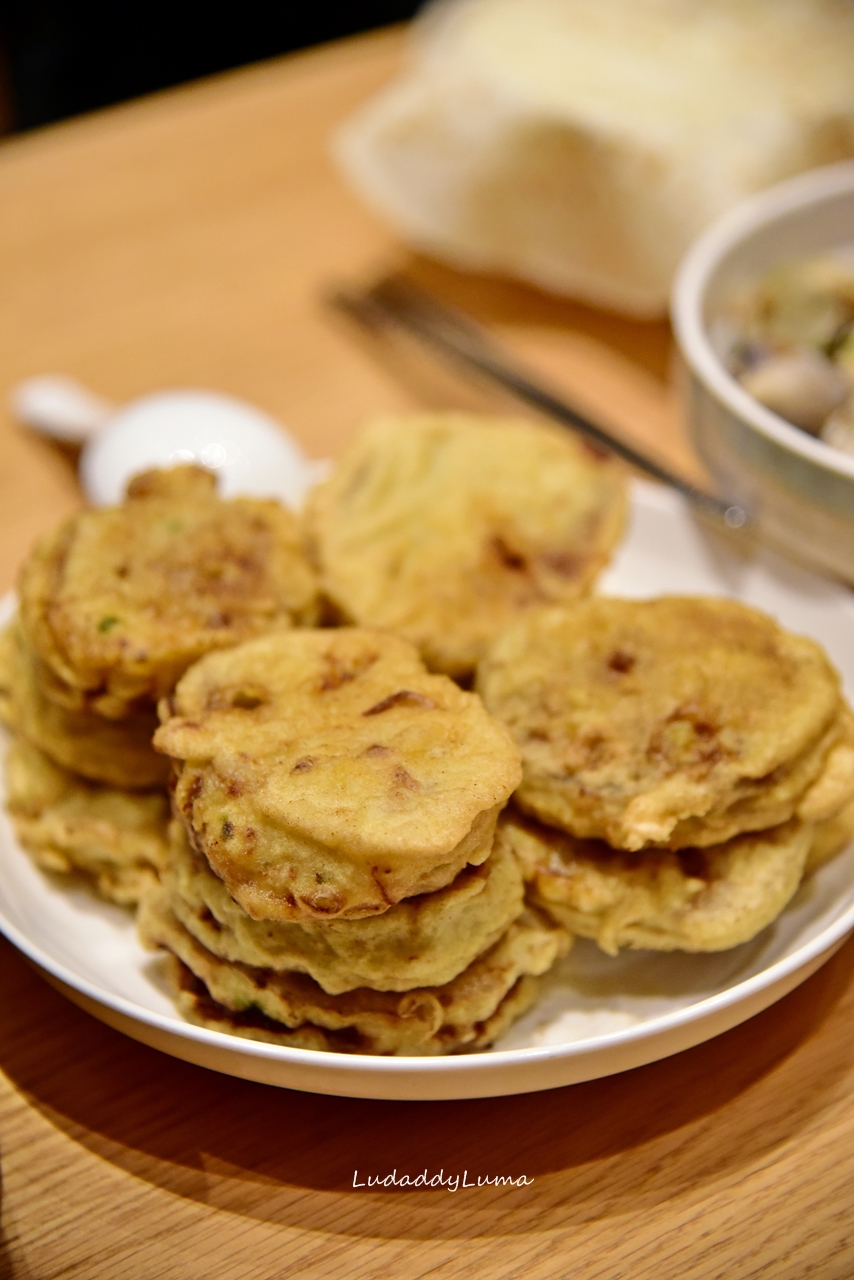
(688, 900)
(443, 527)
(115, 752)
(423, 941)
(116, 838)
(672, 722)
(325, 774)
(118, 602)
(468, 1013)
(830, 837)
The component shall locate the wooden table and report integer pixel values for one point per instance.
(187, 241)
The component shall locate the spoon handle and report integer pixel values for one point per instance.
(452, 333)
(59, 407)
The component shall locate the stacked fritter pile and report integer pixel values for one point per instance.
(114, 606)
(341, 871)
(444, 527)
(84, 792)
(684, 761)
(333, 881)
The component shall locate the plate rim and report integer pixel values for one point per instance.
(491, 1060)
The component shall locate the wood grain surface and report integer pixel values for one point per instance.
(189, 240)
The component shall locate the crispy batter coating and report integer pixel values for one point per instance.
(117, 839)
(830, 837)
(118, 602)
(326, 774)
(671, 722)
(115, 752)
(423, 941)
(688, 900)
(444, 526)
(289, 1008)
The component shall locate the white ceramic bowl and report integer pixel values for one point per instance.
(801, 490)
(249, 451)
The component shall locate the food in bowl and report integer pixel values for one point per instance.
(793, 346)
(798, 489)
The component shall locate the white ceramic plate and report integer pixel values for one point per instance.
(596, 1015)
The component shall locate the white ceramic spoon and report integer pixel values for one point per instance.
(250, 452)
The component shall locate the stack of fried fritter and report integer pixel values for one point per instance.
(333, 881)
(114, 606)
(340, 871)
(684, 761)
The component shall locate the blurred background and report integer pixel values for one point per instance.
(59, 58)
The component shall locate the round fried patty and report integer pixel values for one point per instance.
(326, 773)
(443, 527)
(422, 941)
(676, 721)
(687, 900)
(118, 602)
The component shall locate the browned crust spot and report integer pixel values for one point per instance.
(403, 698)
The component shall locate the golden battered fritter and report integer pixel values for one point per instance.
(692, 900)
(830, 837)
(195, 1002)
(115, 838)
(443, 527)
(118, 602)
(115, 752)
(672, 722)
(9, 715)
(326, 774)
(423, 941)
(289, 1008)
